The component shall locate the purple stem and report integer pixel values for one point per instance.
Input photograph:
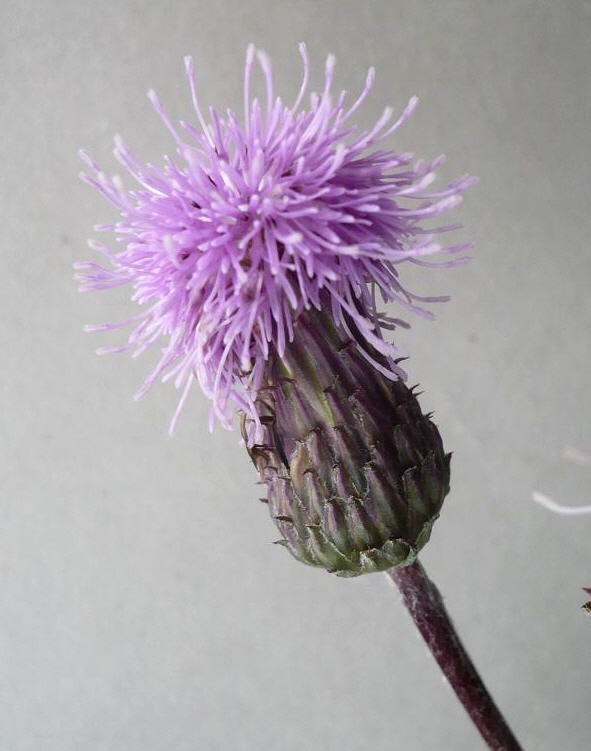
(425, 604)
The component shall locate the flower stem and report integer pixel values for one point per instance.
(425, 604)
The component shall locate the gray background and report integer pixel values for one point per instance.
(142, 605)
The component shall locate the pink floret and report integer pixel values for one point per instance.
(257, 221)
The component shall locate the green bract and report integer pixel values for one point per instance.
(356, 474)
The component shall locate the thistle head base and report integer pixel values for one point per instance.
(356, 474)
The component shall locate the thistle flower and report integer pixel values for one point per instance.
(259, 257)
(259, 221)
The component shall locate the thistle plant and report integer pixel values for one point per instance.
(260, 257)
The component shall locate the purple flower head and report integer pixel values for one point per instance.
(259, 220)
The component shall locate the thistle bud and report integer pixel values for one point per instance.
(356, 474)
